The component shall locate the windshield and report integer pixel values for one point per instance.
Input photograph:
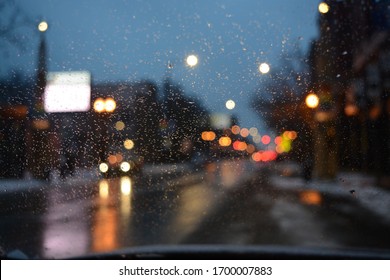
(126, 124)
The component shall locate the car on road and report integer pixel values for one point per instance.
(120, 163)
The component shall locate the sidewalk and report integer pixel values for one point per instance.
(28, 184)
(358, 186)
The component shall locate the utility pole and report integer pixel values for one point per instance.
(38, 142)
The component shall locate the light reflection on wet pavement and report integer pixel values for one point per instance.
(230, 202)
(127, 212)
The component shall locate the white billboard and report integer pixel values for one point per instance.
(67, 92)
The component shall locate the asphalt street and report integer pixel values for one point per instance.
(226, 202)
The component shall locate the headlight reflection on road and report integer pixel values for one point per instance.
(126, 185)
(310, 197)
(104, 189)
(125, 203)
(125, 166)
(105, 224)
(103, 167)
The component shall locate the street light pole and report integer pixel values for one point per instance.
(40, 149)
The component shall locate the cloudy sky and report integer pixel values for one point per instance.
(129, 40)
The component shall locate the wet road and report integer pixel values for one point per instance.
(230, 202)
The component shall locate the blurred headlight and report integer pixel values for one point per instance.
(103, 167)
(125, 166)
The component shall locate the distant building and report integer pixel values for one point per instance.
(350, 70)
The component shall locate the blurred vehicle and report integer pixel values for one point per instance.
(121, 162)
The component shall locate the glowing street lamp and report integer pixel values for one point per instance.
(43, 26)
(323, 8)
(230, 104)
(264, 68)
(192, 60)
(100, 105)
(312, 100)
(110, 105)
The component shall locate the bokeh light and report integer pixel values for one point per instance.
(236, 129)
(43, 26)
(323, 8)
(225, 141)
(208, 135)
(99, 105)
(244, 132)
(119, 125)
(264, 68)
(312, 100)
(192, 60)
(230, 104)
(129, 144)
(265, 139)
(110, 105)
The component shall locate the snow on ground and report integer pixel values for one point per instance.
(363, 187)
(28, 183)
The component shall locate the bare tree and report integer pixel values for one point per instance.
(277, 101)
(13, 20)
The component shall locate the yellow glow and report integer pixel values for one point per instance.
(312, 100)
(103, 167)
(264, 68)
(125, 202)
(208, 135)
(230, 104)
(286, 145)
(43, 26)
(105, 229)
(225, 141)
(99, 105)
(125, 166)
(110, 105)
(119, 125)
(192, 60)
(104, 189)
(126, 185)
(323, 8)
(129, 144)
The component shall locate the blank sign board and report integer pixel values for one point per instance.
(67, 92)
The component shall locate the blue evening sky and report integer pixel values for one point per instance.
(118, 40)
